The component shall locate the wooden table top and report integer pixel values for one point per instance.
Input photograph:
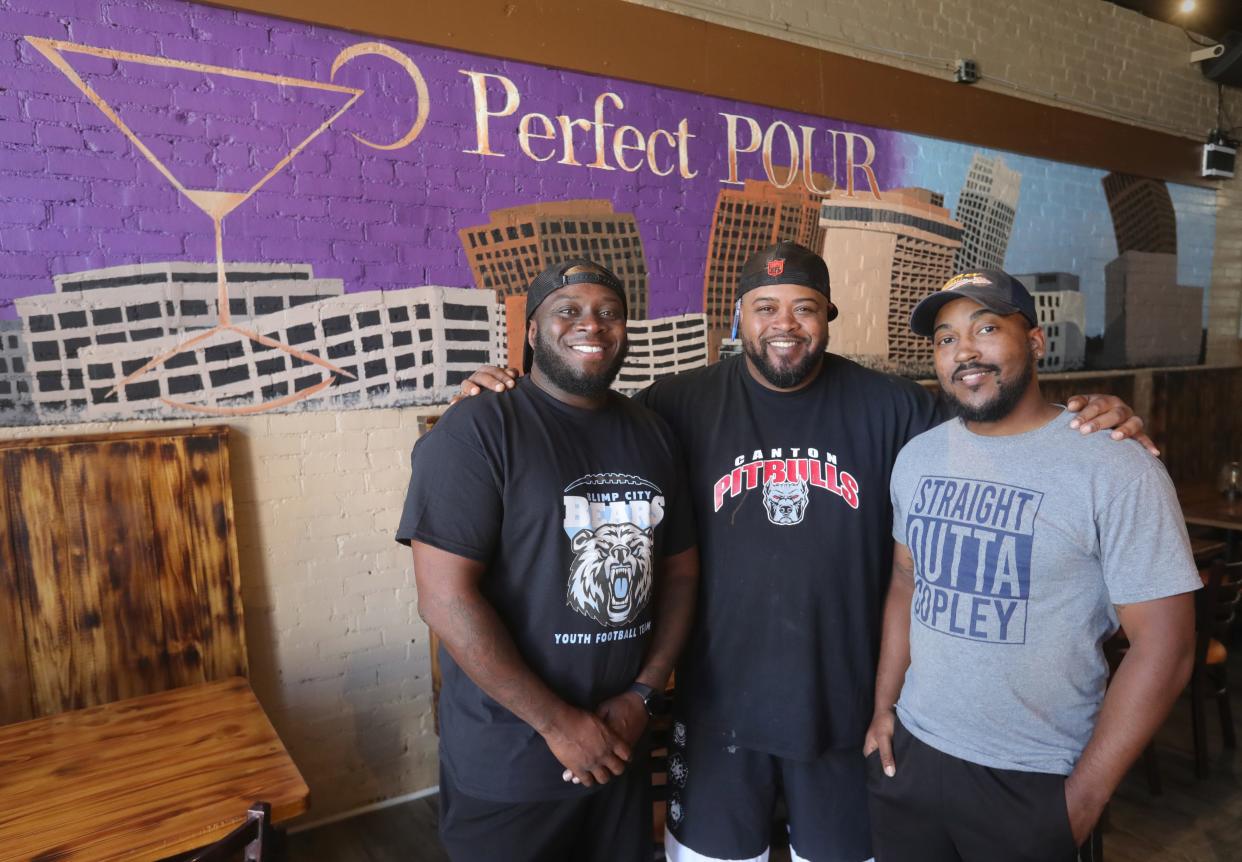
(142, 779)
(1202, 504)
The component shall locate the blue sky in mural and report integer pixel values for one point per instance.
(1063, 223)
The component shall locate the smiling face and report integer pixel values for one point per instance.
(985, 361)
(578, 338)
(784, 332)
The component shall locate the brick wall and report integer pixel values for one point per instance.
(1085, 55)
(338, 655)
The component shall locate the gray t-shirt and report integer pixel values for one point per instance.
(1022, 545)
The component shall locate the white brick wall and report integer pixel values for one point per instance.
(1084, 55)
(338, 655)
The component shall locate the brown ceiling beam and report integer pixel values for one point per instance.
(637, 43)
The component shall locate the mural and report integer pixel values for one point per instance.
(209, 211)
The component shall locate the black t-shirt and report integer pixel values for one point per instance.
(790, 494)
(569, 509)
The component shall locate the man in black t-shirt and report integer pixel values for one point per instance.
(789, 453)
(554, 555)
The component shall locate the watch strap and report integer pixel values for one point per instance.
(648, 695)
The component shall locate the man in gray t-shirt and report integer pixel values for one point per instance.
(1021, 546)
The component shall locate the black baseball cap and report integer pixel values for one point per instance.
(995, 290)
(554, 278)
(786, 263)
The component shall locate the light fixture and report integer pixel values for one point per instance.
(1186, 7)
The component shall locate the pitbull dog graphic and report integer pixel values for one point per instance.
(785, 502)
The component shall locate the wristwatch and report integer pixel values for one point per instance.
(652, 699)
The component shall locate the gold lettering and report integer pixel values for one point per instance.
(756, 138)
(620, 147)
(600, 161)
(567, 129)
(768, 167)
(651, 156)
(808, 172)
(478, 81)
(683, 150)
(525, 134)
(864, 166)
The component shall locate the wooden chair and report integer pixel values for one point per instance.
(119, 574)
(255, 840)
(1216, 608)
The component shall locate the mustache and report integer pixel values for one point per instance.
(974, 366)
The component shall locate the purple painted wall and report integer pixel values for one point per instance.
(76, 195)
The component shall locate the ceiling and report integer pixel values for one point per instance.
(1210, 17)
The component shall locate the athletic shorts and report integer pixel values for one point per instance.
(939, 808)
(721, 801)
(611, 824)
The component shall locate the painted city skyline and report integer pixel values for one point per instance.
(287, 171)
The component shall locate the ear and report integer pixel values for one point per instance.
(532, 329)
(580, 540)
(1038, 342)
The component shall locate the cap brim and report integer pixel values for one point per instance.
(923, 318)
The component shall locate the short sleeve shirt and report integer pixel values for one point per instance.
(1022, 546)
(570, 510)
(790, 494)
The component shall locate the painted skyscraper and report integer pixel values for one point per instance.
(1062, 314)
(15, 395)
(986, 209)
(519, 242)
(746, 220)
(139, 304)
(1143, 216)
(660, 347)
(883, 257)
(1149, 319)
(400, 346)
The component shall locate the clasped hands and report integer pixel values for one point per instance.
(595, 747)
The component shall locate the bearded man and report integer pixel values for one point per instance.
(1020, 549)
(554, 556)
(789, 451)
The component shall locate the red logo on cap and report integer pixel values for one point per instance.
(776, 267)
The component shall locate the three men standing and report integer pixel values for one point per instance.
(789, 453)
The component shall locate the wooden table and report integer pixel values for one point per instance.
(1205, 506)
(1202, 504)
(142, 779)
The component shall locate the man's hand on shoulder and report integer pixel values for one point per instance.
(590, 751)
(1105, 412)
(488, 377)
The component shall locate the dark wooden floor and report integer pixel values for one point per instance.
(1192, 821)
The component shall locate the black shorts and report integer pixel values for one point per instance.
(939, 808)
(721, 800)
(611, 823)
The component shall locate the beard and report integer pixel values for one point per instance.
(569, 379)
(1000, 405)
(785, 376)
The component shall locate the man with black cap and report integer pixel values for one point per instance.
(554, 556)
(789, 451)
(1020, 548)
